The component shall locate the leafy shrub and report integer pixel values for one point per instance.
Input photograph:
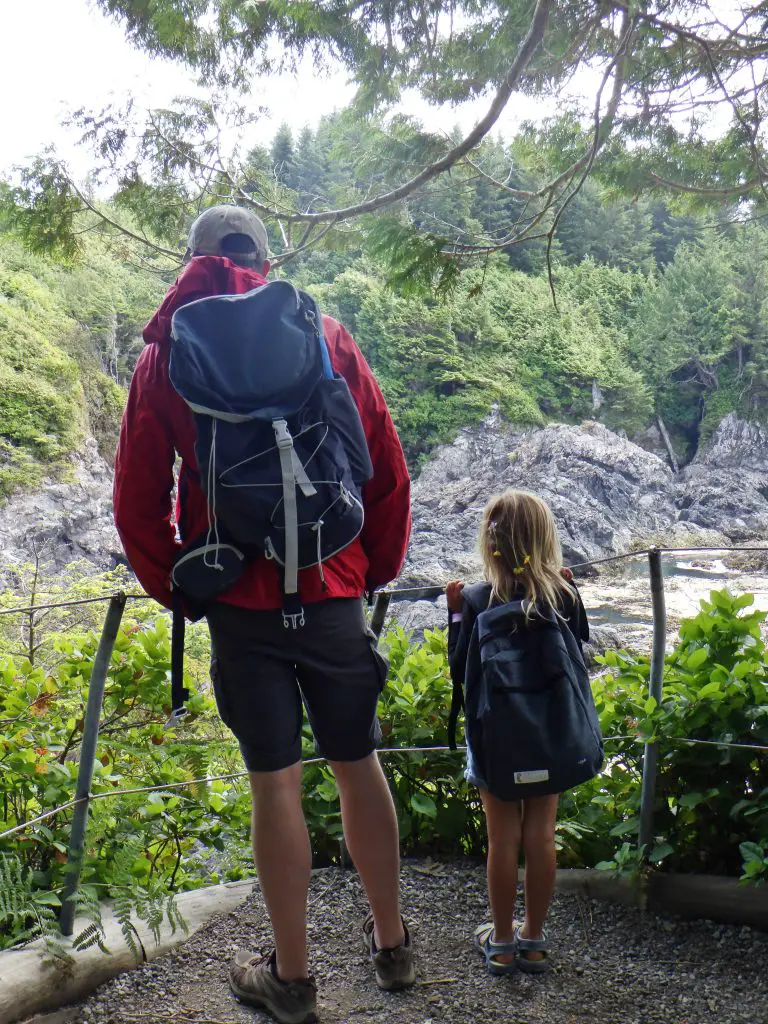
(711, 802)
(711, 811)
(438, 811)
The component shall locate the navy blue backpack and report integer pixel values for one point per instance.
(530, 719)
(281, 451)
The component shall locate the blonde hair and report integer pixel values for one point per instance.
(520, 549)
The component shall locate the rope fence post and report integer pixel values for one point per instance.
(651, 753)
(380, 610)
(87, 756)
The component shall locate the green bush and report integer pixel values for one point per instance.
(711, 803)
(711, 811)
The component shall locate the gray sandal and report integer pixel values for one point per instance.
(492, 951)
(523, 946)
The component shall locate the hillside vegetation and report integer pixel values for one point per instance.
(659, 314)
(68, 337)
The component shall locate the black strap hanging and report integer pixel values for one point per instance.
(179, 693)
(457, 704)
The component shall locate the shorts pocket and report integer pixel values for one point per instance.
(381, 664)
(218, 692)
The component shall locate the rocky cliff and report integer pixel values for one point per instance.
(725, 488)
(66, 519)
(605, 491)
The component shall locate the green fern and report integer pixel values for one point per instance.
(123, 908)
(87, 906)
(26, 912)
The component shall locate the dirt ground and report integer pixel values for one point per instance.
(611, 965)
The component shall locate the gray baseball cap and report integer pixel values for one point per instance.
(214, 224)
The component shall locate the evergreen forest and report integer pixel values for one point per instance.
(640, 309)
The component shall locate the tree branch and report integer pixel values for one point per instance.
(468, 143)
(618, 63)
(726, 192)
(119, 227)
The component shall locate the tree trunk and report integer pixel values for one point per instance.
(667, 444)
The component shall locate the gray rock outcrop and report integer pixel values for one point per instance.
(605, 491)
(65, 519)
(725, 487)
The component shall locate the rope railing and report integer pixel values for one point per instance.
(393, 593)
(117, 602)
(27, 609)
(382, 752)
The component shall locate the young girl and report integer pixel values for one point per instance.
(521, 559)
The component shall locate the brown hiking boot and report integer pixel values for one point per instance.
(253, 980)
(394, 967)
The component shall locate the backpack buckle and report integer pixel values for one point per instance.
(174, 719)
(283, 435)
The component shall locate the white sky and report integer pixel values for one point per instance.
(81, 58)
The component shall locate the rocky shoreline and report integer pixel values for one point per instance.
(609, 495)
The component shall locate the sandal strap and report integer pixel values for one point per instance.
(484, 935)
(531, 945)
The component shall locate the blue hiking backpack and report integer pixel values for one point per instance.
(280, 447)
(530, 719)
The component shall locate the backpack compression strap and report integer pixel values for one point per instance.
(293, 475)
(179, 693)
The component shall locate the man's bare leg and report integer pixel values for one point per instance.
(371, 833)
(283, 858)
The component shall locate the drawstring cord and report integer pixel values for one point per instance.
(213, 523)
(318, 528)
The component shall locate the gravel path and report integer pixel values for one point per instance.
(612, 965)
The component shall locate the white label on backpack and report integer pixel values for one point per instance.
(540, 776)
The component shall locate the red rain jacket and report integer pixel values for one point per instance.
(157, 425)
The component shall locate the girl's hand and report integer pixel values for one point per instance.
(453, 595)
(566, 574)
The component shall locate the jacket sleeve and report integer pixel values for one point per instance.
(144, 480)
(387, 496)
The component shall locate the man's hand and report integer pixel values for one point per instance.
(453, 595)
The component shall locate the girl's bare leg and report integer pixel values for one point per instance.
(538, 831)
(504, 830)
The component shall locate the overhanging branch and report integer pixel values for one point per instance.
(524, 55)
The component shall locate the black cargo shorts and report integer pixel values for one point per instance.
(261, 673)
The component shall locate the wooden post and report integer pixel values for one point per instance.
(651, 755)
(87, 757)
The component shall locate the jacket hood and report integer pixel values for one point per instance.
(201, 277)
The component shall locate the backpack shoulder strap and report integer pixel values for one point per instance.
(311, 312)
(476, 597)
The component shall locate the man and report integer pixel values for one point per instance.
(260, 670)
